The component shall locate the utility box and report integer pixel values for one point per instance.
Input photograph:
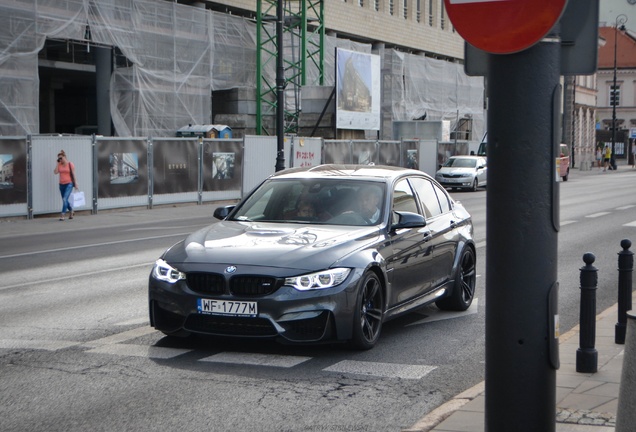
(205, 131)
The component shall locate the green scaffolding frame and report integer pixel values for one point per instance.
(303, 43)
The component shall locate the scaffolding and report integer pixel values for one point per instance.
(303, 42)
(170, 57)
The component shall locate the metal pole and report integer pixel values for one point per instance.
(522, 225)
(625, 270)
(280, 90)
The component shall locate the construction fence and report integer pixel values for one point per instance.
(144, 172)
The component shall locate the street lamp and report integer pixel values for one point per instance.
(620, 19)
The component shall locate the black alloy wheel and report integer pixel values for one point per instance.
(367, 319)
(464, 287)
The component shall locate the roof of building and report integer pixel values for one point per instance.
(625, 49)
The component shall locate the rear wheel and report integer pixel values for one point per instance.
(464, 288)
(367, 319)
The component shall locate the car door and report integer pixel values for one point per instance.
(411, 251)
(442, 226)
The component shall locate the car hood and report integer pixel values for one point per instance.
(304, 247)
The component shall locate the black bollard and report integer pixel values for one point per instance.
(586, 355)
(625, 269)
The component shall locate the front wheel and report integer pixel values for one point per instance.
(367, 318)
(475, 185)
(464, 287)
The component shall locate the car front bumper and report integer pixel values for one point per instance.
(286, 314)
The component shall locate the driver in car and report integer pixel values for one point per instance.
(367, 203)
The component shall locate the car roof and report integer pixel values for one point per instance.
(368, 172)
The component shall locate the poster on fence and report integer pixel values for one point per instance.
(13, 180)
(175, 166)
(122, 167)
(222, 165)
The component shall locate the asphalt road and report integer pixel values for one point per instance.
(76, 352)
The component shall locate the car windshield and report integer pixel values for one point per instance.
(461, 163)
(315, 201)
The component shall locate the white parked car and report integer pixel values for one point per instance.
(463, 172)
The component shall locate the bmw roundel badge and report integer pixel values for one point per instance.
(230, 269)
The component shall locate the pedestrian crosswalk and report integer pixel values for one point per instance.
(126, 344)
(141, 342)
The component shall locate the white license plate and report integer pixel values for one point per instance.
(227, 307)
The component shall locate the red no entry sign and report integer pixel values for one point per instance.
(504, 26)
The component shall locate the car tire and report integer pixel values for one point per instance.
(367, 318)
(464, 287)
(475, 185)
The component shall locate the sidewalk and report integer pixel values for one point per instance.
(585, 402)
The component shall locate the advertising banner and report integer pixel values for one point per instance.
(357, 90)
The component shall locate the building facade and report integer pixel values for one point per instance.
(150, 67)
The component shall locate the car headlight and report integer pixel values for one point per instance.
(321, 280)
(165, 272)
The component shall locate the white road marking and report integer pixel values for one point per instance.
(595, 215)
(480, 244)
(626, 207)
(383, 370)
(139, 351)
(119, 337)
(439, 315)
(63, 278)
(48, 345)
(631, 224)
(93, 245)
(255, 359)
(567, 222)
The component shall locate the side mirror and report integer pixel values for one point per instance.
(408, 220)
(222, 212)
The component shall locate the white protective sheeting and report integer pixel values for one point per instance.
(178, 54)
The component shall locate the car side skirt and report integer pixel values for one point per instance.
(418, 302)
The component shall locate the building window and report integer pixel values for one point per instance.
(615, 95)
(391, 7)
(430, 13)
(361, 3)
(376, 5)
(441, 16)
(418, 10)
(405, 9)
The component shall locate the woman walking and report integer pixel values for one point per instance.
(66, 170)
